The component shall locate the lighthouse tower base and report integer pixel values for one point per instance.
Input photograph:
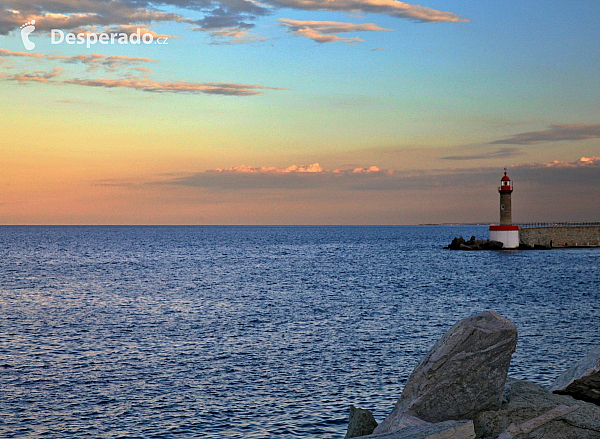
(507, 235)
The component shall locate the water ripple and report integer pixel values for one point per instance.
(251, 332)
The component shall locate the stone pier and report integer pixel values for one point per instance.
(560, 236)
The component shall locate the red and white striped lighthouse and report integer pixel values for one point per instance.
(505, 232)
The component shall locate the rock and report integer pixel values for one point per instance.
(456, 243)
(464, 373)
(441, 430)
(492, 245)
(582, 380)
(532, 412)
(474, 244)
(541, 247)
(361, 423)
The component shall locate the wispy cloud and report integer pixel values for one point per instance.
(10, 53)
(555, 133)
(122, 15)
(389, 7)
(96, 60)
(73, 14)
(245, 169)
(324, 31)
(93, 61)
(500, 153)
(296, 177)
(36, 76)
(585, 172)
(314, 168)
(231, 35)
(148, 85)
(583, 162)
(112, 63)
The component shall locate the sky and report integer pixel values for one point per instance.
(299, 111)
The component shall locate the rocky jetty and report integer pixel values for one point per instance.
(582, 380)
(532, 412)
(459, 243)
(460, 390)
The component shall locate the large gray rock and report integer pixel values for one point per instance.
(464, 373)
(361, 423)
(441, 430)
(582, 380)
(532, 412)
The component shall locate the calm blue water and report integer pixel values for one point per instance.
(252, 332)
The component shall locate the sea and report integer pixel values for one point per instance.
(258, 332)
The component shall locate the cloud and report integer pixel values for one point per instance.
(296, 177)
(583, 162)
(216, 14)
(583, 173)
(36, 76)
(548, 191)
(500, 153)
(314, 168)
(93, 61)
(96, 60)
(72, 14)
(389, 7)
(231, 35)
(148, 85)
(114, 62)
(245, 169)
(555, 133)
(324, 31)
(7, 53)
(78, 14)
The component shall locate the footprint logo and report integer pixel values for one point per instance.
(26, 29)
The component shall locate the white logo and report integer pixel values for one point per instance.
(89, 39)
(26, 29)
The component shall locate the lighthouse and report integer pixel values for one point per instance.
(505, 232)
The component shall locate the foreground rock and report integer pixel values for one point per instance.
(464, 373)
(361, 423)
(582, 380)
(532, 412)
(474, 244)
(440, 430)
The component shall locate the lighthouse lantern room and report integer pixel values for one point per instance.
(505, 232)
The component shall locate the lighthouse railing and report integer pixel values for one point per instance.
(558, 224)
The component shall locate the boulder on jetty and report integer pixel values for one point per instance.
(532, 412)
(582, 380)
(462, 374)
(460, 391)
(459, 243)
(439, 430)
(361, 423)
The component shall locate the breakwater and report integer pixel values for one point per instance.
(460, 390)
(560, 234)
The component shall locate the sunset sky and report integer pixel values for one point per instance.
(300, 112)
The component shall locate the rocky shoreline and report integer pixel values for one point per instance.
(459, 243)
(460, 390)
